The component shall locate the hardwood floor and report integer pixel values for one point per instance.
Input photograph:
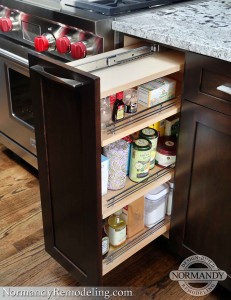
(24, 262)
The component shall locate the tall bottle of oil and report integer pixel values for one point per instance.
(116, 229)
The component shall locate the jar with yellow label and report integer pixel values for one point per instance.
(140, 159)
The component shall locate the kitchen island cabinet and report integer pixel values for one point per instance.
(69, 140)
(202, 198)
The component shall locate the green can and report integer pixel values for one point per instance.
(140, 159)
(151, 135)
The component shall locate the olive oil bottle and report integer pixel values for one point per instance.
(116, 229)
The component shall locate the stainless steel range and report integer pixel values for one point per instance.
(65, 30)
(26, 28)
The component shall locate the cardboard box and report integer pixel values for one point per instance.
(160, 127)
(133, 214)
(156, 91)
(172, 125)
(104, 174)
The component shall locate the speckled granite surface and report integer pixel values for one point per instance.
(201, 26)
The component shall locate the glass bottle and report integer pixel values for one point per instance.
(118, 108)
(105, 241)
(130, 101)
(105, 112)
(116, 229)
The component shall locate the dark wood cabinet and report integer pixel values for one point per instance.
(69, 144)
(202, 198)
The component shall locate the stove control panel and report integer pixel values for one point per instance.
(45, 35)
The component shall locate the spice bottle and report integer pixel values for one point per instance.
(151, 135)
(105, 241)
(118, 108)
(116, 229)
(130, 101)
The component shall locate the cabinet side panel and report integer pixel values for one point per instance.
(68, 143)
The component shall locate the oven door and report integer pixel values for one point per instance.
(16, 116)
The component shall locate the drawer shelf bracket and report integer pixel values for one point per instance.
(119, 58)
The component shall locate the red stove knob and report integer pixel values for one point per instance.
(63, 45)
(44, 42)
(6, 24)
(78, 50)
(41, 43)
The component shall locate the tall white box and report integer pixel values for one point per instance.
(104, 174)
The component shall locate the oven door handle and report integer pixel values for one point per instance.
(66, 81)
(14, 57)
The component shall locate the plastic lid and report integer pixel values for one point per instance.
(119, 96)
(171, 184)
(149, 133)
(142, 144)
(167, 145)
(158, 192)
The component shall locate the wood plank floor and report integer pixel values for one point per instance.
(24, 262)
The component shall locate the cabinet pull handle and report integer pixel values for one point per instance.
(225, 88)
(69, 82)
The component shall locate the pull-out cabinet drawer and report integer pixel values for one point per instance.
(69, 141)
(208, 82)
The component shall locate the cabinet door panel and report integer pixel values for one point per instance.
(66, 106)
(202, 198)
(208, 79)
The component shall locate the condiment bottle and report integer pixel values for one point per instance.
(116, 229)
(151, 135)
(118, 108)
(105, 241)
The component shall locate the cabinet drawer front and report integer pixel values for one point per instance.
(208, 82)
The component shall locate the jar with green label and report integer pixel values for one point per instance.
(151, 135)
(140, 159)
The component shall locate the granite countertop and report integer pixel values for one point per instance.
(201, 26)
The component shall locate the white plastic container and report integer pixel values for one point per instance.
(155, 205)
(170, 196)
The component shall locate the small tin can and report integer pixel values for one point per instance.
(140, 160)
(151, 135)
(166, 151)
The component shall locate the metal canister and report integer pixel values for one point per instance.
(151, 135)
(140, 159)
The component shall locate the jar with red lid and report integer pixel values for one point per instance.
(166, 151)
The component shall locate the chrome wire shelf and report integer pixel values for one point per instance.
(139, 185)
(130, 244)
(141, 115)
